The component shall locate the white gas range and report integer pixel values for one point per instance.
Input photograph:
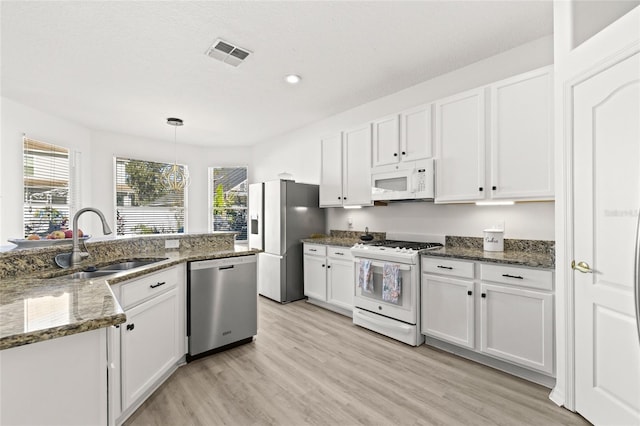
(387, 293)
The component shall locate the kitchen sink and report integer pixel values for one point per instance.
(129, 264)
(88, 274)
(113, 268)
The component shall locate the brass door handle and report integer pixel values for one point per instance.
(582, 267)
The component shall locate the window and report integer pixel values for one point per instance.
(143, 204)
(228, 193)
(46, 187)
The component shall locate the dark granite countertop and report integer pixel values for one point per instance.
(59, 306)
(530, 253)
(343, 238)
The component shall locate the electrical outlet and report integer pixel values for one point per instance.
(350, 222)
(171, 244)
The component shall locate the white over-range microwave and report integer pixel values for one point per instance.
(411, 180)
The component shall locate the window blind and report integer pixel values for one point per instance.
(228, 211)
(46, 187)
(143, 204)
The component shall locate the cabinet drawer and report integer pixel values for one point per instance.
(315, 249)
(455, 268)
(532, 278)
(143, 288)
(340, 253)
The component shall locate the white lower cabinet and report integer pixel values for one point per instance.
(329, 279)
(448, 309)
(517, 325)
(149, 346)
(60, 381)
(501, 311)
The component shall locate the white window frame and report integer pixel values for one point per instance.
(115, 198)
(211, 192)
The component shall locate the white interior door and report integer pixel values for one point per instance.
(606, 193)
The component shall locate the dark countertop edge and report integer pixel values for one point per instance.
(332, 241)
(42, 335)
(515, 262)
(21, 339)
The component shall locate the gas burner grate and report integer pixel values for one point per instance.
(406, 244)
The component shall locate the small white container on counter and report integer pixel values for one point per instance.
(494, 240)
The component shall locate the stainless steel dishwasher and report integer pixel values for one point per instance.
(222, 304)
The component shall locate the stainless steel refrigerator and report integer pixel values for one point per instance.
(281, 214)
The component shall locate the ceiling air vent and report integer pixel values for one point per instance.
(227, 52)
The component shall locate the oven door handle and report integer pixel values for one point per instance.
(401, 266)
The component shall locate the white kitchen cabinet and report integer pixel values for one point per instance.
(496, 142)
(460, 147)
(510, 318)
(61, 381)
(331, 171)
(402, 137)
(521, 137)
(149, 346)
(516, 324)
(340, 277)
(448, 309)
(345, 169)
(356, 183)
(415, 133)
(386, 141)
(315, 275)
(329, 277)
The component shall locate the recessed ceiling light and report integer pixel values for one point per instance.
(293, 79)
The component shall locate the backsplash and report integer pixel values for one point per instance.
(536, 246)
(41, 260)
(356, 234)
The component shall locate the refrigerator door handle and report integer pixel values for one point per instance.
(636, 277)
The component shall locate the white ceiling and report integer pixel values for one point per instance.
(125, 66)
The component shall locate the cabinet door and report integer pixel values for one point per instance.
(522, 137)
(460, 139)
(357, 167)
(386, 141)
(448, 309)
(415, 133)
(331, 171)
(150, 344)
(340, 283)
(315, 277)
(517, 325)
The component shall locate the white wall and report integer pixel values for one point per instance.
(97, 150)
(298, 153)
(532, 221)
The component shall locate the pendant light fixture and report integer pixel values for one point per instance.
(175, 178)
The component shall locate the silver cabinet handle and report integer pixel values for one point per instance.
(582, 267)
(636, 276)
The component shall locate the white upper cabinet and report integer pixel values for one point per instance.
(460, 147)
(356, 156)
(521, 137)
(415, 133)
(402, 137)
(345, 170)
(331, 171)
(386, 141)
(504, 128)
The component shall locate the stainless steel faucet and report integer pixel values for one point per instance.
(65, 260)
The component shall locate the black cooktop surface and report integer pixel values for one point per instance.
(406, 244)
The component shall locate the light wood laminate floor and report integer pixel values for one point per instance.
(309, 366)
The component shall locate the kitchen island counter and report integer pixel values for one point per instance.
(41, 306)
